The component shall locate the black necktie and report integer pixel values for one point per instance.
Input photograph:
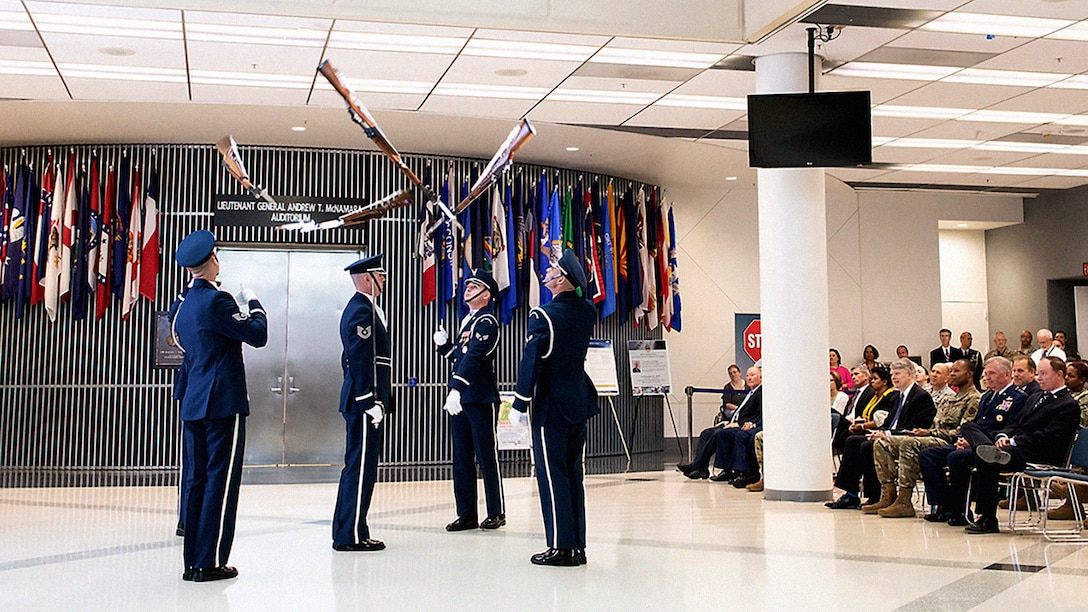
(946, 355)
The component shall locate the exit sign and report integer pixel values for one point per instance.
(1086, 268)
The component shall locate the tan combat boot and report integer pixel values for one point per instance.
(887, 497)
(902, 507)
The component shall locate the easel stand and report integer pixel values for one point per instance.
(619, 428)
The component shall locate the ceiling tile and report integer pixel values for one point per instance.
(1055, 9)
(898, 127)
(905, 155)
(857, 174)
(1046, 100)
(388, 65)
(1042, 55)
(970, 130)
(502, 108)
(324, 96)
(920, 39)
(230, 57)
(1054, 182)
(1055, 160)
(853, 42)
(127, 91)
(508, 71)
(882, 90)
(672, 116)
(976, 157)
(965, 96)
(583, 112)
(113, 51)
(263, 96)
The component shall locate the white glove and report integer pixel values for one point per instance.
(376, 414)
(517, 416)
(441, 337)
(246, 294)
(453, 403)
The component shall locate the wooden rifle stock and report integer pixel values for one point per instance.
(502, 159)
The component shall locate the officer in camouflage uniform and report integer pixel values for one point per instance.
(897, 456)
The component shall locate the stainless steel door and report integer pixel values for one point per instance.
(294, 381)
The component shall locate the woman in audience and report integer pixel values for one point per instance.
(902, 352)
(881, 382)
(1076, 375)
(732, 394)
(839, 399)
(869, 357)
(835, 361)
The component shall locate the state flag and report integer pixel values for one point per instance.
(26, 196)
(51, 279)
(15, 226)
(135, 240)
(68, 228)
(510, 297)
(119, 232)
(674, 277)
(103, 293)
(608, 255)
(149, 253)
(41, 233)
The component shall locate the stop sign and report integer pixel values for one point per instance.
(753, 341)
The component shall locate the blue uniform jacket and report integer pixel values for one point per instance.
(367, 358)
(996, 414)
(552, 372)
(473, 355)
(210, 328)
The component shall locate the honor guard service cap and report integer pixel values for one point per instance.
(367, 264)
(482, 277)
(195, 249)
(572, 269)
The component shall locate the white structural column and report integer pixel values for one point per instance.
(794, 312)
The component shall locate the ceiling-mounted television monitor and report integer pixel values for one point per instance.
(827, 129)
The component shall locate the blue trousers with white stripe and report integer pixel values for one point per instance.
(473, 432)
(364, 444)
(215, 448)
(558, 447)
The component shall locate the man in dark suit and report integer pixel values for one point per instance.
(472, 404)
(996, 409)
(552, 377)
(912, 408)
(211, 386)
(366, 397)
(863, 392)
(750, 413)
(970, 354)
(945, 353)
(1041, 433)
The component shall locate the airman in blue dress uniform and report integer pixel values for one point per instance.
(365, 398)
(211, 386)
(472, 404)
(553, 385)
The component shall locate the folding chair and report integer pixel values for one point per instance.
(1037, 479)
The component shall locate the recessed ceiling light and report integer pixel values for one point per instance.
(961, 225)
(511, 72)
(298, 128)
(730, 178)
(572, 149)
(116, 51)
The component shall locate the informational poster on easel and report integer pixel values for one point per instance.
(648, 363)
(511, 432)
(601, 367)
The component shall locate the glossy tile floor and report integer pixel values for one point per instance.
(656, 542)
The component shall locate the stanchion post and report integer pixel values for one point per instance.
(689, 391)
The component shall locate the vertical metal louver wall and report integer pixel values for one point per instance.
(81, 402)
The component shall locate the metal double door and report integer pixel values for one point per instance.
(294, 381)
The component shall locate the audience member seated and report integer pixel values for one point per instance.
(1076, 373)
(750, 406)
(1023, 375)
(1041, 433)
(735, 452)
(907, 408)
(1062, 341)
(863, 393)
(732, 394)
(945, 353)
(902, 352)
(938, 382)
(757, 487)
(1001, 348)
(1026, 348)
(997, 408)
(835, 360)
(1046, 347)
(869, 357)
(896, 455)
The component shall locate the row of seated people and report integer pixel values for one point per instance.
(893, 433)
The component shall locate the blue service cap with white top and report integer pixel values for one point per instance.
(367, 264)
(483, 277)
(571, 268)
(195, 249)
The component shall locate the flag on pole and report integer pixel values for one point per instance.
(634, 263)
(149, 253)
(51, 280)
(500, 251)
(608, 307)
(94, 236)
(568, 224)
(122, 211)
(510, 298)
(79, 248)
(448, 270)
(551, 241)
(41, 233)
(68, 228)
(674, 278)
(648, 305)
(27, 197)
(5, 179)
(664, 303)
(588, 233)
(135, 240)
(103, 294)
(14, 201)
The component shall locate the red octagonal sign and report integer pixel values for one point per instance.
(753, 341)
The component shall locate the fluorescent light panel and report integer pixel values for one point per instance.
(258, 35)
(27, 68)
(707, 102)
(383, 86)
(249, 79)
(1013, 78)
(908, 72)
(490, 91)
(997, 25)
(1077, 31)
(123, 73)
(653, 57)
(15, 20)
(108, 26)
(603, 97)
(919, 112)
(401, 43)
(483, 47)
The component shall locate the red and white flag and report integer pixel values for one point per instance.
(68, 228)
(102, 295)
(51, 279)
(149, 255)
(92, 242)
(41, 237)
(135, 243)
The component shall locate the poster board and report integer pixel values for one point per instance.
(511, 435)
(648, 364)
(167, 353)
(601, 367)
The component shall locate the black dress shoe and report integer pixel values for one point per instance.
(846, 502)
(957, 520)
(208, 574)
(722, 477)
(492, 522)
(686, 467)
(699, 474)
(985, 524)
(180, 531)
(187, 575)
(364, 546)
(938, 516)
(559, 557)
(744, 480)
(580, 556)
(462, 523)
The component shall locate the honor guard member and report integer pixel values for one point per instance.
(211, 386)
(365, 399)
(552, 377)
(472, 404)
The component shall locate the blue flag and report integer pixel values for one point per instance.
(674, 279)
(119, 231)
(446, 256)
(609, 305)
(510, 298)
(80, 289)
(14, 197)
(26, 193)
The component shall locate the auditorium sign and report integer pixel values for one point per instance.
(247, 211)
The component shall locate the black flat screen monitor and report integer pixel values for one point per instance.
(810, 130)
